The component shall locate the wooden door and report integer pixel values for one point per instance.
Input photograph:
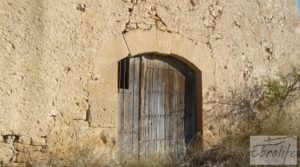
(156, 106)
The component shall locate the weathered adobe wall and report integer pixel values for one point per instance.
(57, 73)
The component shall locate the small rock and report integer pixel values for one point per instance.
(81, 7)
(38, 141)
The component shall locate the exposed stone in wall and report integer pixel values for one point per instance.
(48, 51)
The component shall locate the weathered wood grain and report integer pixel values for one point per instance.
(157, 113)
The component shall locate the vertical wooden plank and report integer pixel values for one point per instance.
(128, 121)
(152, 98)
(147, 106)
(136, 103)
(129, 109)
(165, 107)
(150, 101)
(187, 99)
(181, 112)
(165, 95)
(161, 113)
(153, 110)
(126, 111)
(171, 121)
(148, 123)
(168, 107)
(149, 85)
(175, 116)
(157, 105)
(189, 110)
(143, 101)
(188, 116)
(158, 84)
(171, 108)
(154, 103)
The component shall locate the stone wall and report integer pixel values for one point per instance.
(58, 62)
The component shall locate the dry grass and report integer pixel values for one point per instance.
(233, 149)
(155, 161)
(271, 108)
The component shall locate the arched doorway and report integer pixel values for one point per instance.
(157, 105)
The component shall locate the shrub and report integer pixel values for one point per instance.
(271, 108)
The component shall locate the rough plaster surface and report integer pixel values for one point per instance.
(58, 62)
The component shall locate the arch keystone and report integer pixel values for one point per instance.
(141, 41)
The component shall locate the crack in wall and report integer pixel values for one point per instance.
(126, 44)
(159, 23)
(210, 22)
(130, 10)
(146, 25)
(88, 110)
(88, 114)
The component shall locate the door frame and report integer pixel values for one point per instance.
(198, 98)
(102, 88)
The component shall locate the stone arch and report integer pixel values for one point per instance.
(102, 89)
